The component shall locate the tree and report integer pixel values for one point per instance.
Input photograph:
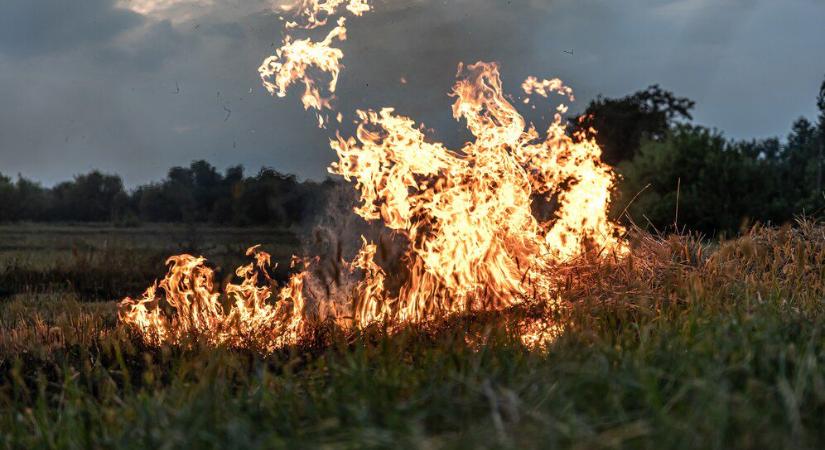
(207, 188)
(621, 124)
(32, 199)
(93, 197)
(231, 185)
(717, 186)
(800, 167)
(269, 198)
(820, 102)
(8, 199)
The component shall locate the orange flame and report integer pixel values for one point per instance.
(474, 241)
(468, 215)
(196, 308)
(293, 61)
(315, 12)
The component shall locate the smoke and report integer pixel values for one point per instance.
(334, 239)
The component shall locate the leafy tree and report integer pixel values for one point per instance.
(8, 199)
(800, 167)
(231, 185)
(820, 102)
(621, 124)
(93, 197)
(719, 186)
(270, 197)
(32, 199)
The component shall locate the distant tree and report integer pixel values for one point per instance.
(207, 189)
(621, 124)
(198, 193)
(231, 185)
(268, 198)
(800, 166)
(33, 200)
(154, 205)
(93, 197)
(8, 199)
(717, 186)
(820, 102)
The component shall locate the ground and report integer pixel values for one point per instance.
(684, 344)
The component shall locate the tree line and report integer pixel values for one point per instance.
(672, 174)
(675, 174)
(195, 194)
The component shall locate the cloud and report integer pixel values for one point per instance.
(147, 48)
(182, 11)
(137, 86)
(39, 27)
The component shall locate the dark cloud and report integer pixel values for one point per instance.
(37, 27)
(148, 49)
(134, 94)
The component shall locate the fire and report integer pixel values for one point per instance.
(196, 308)
(294, 60)
(467, 215)
(315, 12)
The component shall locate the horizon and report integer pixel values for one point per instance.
(164, 83)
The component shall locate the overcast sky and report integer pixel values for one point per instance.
(136, 86)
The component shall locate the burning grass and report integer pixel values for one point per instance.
(682, 344)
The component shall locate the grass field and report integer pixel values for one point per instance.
(682, 345)
(101, 262)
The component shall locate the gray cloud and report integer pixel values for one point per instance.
(38, 27)
(146, 49)
(137, 94)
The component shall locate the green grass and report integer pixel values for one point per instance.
(682, 345)
(101, 262)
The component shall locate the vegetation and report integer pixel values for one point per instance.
(102, 262)
(675, 173)
(620, 125)
(197, 194)
(680, 346)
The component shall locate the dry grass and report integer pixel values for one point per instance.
(684, 344)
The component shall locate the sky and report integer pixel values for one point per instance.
(135, 87)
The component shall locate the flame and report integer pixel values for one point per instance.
(467, 215)
(315, 12)
(293, 61)
(196, 308)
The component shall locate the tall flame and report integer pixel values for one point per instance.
(467, 215)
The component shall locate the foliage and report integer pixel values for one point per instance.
(104, 262)
(695, 176)
(621, 124)
(718, 185)
(197, 194)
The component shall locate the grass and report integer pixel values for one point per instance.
(100, 262)
(683, 345)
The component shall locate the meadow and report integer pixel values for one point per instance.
(686, 343)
